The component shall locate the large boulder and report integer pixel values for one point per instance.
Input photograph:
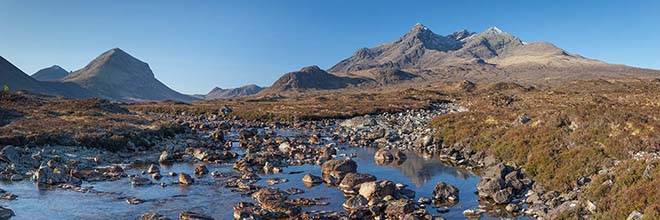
(353, 179)
(333, 171)
(275, 200)
(6, 213)
(185, 179)
(355, 202)
(377, 189)
(445, 192)
(399, 208)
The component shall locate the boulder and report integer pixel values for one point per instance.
(311, 179)
(355, 202)
(165, 157)
(194, 216)
(6, 213)
(635, 215)
(10, 154)
(398, 208)
(153, 168)
(377, 189)
(353, 179)
(185, 179)
(383, 155)
(200, 169)
(152, 216)
(445, 192)
(285, 147)
(502, 196)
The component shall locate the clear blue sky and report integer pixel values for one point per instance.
(193, 46)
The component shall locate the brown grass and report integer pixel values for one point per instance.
(307, 107)
(90, 122)
(575, 130)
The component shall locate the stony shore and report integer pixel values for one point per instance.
(505, 190)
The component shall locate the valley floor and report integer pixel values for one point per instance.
(585, 149)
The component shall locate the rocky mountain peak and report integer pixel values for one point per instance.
(53, 73)
(311, 69)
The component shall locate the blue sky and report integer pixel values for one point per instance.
(193, 46)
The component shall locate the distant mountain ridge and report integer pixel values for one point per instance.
(219, 93)
(114, 75)
(53, 73)
(423, 56)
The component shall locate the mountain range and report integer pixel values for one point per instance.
(418, 57)
(421, 55)
(114, 75)
(220, 93)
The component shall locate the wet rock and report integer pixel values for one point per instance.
(353, 179)
(165, 157)
(377, 189)
(6, 213)
(311, 179)
(153, 168)
(152, 216)
(472, 213)
(246, 210)
(140, 181)
(200, 169)
(424, 200)
(275, 200)
(185, 179)
(333, 171)
(134, 201)
(194, 216)
(398, 208)
(355, 202)
(273, 181)
(54, 174)
(445, 192)
(383, 156)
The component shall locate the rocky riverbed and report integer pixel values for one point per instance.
(385, 166)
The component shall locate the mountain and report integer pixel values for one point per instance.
(16, 80)
(422, 56)
(53, 73)
(311, 78)
(219, 93)
(116, 75)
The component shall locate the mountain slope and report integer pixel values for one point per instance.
(311, 78)
(16, 80)
(116, 75)
(219, 93)
(53, 73)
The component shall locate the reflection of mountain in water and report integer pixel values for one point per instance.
(418, 169)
